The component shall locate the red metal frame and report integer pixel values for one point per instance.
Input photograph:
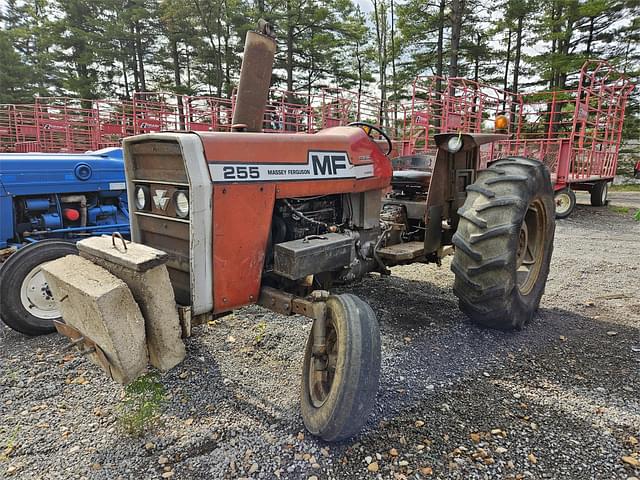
(576, 133)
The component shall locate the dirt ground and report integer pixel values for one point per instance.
(560, 399)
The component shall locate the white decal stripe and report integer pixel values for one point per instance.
(320, 165)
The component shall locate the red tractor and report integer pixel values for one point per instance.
(249, 217)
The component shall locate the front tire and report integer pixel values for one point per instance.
(504, 243)
(599, 194)
(336, 400)
(565, 201)
(26, 302)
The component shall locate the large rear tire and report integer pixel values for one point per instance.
(504, 243)
(26, 302)
(337, 399)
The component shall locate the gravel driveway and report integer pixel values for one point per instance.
(560, 399)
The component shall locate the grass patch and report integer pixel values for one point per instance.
(636, 217)
(141, 406)
(627, 187)
(9, 445)
(619, 210)
(261, 329)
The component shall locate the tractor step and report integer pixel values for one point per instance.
(402, 251)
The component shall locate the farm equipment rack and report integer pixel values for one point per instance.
(576, 132)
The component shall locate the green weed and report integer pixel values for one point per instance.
(9, 444)
(628, 187)
(261, 329)
(141, 406)
(620, 210)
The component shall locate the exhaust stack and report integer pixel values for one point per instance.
(255, 79)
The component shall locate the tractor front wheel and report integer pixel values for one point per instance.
(26, 302)
(339, 385)
(504, 243)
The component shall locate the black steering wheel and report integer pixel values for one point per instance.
(376, 129)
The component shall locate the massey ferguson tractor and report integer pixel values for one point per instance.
(249, 217)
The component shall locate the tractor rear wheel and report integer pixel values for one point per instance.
(339, 388)
(599, 194)
(26, 302)
(504, 243)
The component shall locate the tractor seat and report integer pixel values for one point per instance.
(411, 177)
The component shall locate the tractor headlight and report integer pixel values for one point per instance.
(181, 200)
(454, 144)
(142, 197)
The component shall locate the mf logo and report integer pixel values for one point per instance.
(328, 163)
(160, 200)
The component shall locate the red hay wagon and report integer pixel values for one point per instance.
(576, 133)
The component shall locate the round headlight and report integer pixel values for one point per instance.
(454, 144)
(142, 197)
(181, 200)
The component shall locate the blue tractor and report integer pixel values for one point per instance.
(47, 202)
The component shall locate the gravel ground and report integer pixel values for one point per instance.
(560, 399)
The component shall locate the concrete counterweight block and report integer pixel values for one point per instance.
(101, 306)
(143, 269)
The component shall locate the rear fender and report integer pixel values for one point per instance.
(452, 173)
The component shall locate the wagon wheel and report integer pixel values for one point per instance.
(599, 193)
(565, 201)
(339, 387)
(504, 243)
(26, 302)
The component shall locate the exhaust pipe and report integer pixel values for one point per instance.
(255, 79)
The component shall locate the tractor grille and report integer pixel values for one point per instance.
(159, 166)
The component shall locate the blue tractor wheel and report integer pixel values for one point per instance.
(26, 302)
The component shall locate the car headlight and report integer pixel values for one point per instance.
(181, 200)
(454, 144)
(142, 197)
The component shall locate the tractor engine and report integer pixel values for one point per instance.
(297, 218)
(43, 214)
(61, 195)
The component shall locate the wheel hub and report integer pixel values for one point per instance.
(36, 297)
(323, 368)
(530, 253)
(563, 203)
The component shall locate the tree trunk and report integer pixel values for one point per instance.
(289, 63)
(457, 9)
(176, 78)
(360, 68)
(139, 54)
(518, 53)
(136, 73)
(505, 84)
(380, 22)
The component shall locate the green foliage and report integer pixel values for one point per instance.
(94, 48)
(619, 210)
(261, 330)
(636, 216)
(141, 406)
(629, 187)
(8, 446)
